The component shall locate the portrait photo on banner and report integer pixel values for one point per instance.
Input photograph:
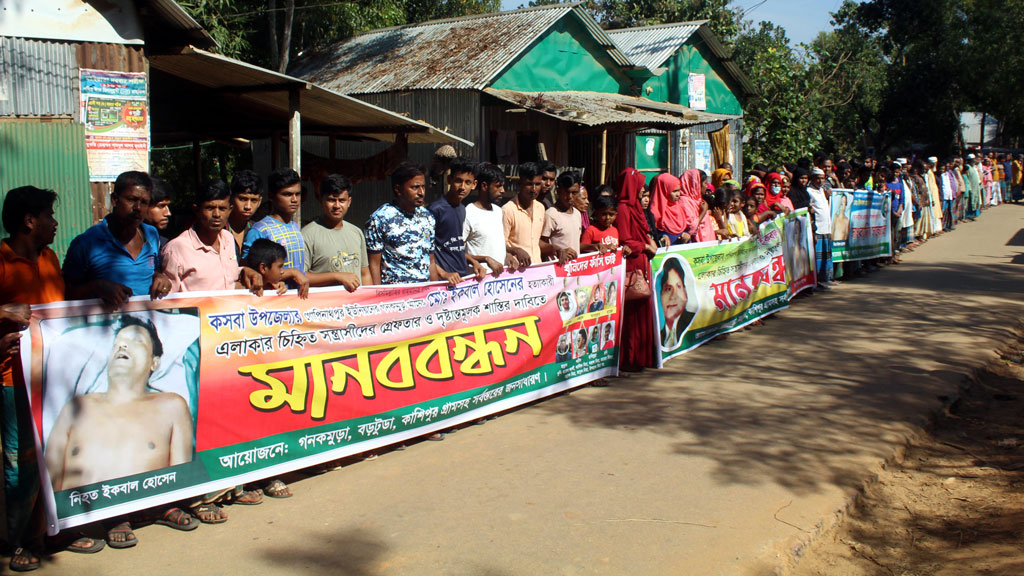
(842, 206)
(798, 255)
(676, 299)
(120, 393)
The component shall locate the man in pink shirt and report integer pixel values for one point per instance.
(203, 257)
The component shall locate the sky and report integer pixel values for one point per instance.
(802, 19)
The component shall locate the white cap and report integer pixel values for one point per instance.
(933, 160)
(818, 172)
(901, 161)
(970, 156)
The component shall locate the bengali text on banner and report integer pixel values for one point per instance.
(168, 400)
(860, 225)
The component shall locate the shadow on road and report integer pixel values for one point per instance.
(842, 368)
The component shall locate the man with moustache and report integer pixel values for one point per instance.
(119, 257)
(523, 215)
(203, 257)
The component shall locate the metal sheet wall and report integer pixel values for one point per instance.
(682, 149)
(49, 155)
(37, 78)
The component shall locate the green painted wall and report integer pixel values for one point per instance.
(564, 58)
(671, 86)
(651, 155)
(49, 155)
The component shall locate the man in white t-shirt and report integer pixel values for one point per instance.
(483, 230)
(822, 214)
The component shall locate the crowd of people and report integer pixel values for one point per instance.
(466, 232)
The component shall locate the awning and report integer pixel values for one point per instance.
(195, 93)
(598, 109)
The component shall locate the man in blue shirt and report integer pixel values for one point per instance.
(400, 234)
(119, 257)
(449, 218)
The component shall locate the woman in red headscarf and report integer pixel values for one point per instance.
(756, 191)
(774, 198)
(673, 217)
(693, 195)
(637, 318)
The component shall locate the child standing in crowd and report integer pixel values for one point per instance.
(562, 221)
(268, 258)
(483, 230)
(400, 234)
(523, 216)
(601, 236)
(335, 249)
(736, 221)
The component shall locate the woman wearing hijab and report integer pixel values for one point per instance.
(798, 188)
(674, 217)
(637, 341)
(693, 197)
(774, 199)
(718, 177)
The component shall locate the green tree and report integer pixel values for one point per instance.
(778, 125)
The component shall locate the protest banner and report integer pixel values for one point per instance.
(166, 400)
(860, 225)
(703, 290)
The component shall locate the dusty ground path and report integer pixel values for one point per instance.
(955, 505)
(726, 462)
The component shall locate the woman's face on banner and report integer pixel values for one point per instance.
(673, 296)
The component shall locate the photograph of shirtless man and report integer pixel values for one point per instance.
(126, 430)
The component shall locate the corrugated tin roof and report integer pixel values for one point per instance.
(602, 109)
(456, 53)
(37, 78)
(176, 16)
(268, 90)
(651, 46)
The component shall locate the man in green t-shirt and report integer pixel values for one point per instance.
(335, 249)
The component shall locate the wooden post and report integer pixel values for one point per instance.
(197, 161)
(604, 155)
(295, 139)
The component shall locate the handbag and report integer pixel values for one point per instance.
(637, 287)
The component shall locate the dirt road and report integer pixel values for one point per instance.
(728, 461)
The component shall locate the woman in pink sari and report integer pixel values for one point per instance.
(693, 196)
(637, 343)
(673, 216)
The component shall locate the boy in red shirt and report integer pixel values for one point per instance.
(601, 236)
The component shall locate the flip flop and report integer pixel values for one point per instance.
(209, 514)
(122, 528)
(178, 519)
(32, 564)
(85, 545)
(247, 498)
(277, 489)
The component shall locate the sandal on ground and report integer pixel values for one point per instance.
(210, 514)
(599, 383)
(277, 489)
(436, 436)
(29, 560)
(85, 545)
(178, 519)
(247, 498)
(124, 529)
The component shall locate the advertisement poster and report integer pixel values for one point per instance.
(798, 248)
(167, 400)
(702, 155)
(115, 112)
(860, 225)
(695, 90)
(703, 290)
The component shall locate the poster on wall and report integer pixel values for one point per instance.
(116, 116)
(696, 92)
(702, 155)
